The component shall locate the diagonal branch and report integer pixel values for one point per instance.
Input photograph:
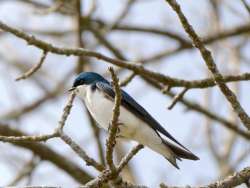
(26, 171)
(246, 6)
(198, 108)
(177, 98)
(135, 67)
(206, 54)
(61, 123)
(81, 153)
(128, 157)
(46, 153)
(33, 69)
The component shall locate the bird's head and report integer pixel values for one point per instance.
(87, 78)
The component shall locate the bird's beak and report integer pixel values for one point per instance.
(72, 89)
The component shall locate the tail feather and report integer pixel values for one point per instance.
(173, 162)
(179, 152)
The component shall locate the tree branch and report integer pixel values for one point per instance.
(135, 67)
(80, 152)
(206, 54)
(33, 69)
(236, 179)
(45, 153)
(198, 108)
(113, 127)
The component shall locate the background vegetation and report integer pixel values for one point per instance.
(186, 62)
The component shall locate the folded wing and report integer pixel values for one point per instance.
(131, 105)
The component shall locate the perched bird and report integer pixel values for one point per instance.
(135, 122)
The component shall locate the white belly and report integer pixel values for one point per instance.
(101, 108)
(131, 127)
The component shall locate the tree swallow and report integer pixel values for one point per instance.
(135, 122)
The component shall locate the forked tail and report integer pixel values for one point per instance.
(181, 153)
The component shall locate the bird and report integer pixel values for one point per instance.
(135, 123)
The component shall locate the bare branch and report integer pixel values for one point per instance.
(177, 98)
(112, 172)
(246, 6)
(33, 69)
(83, 29)
(185, 44)
(25, 171)
(135, 67)
(28, 138)
(128, 157)
(127, 80)
(99, 180)
(66, 111)
(81, 153)
(206, 54)
(21, 111)
(198, 108)
(46, 153)
(113, 128)
(216, 37)
(237, 178)
(96, 131)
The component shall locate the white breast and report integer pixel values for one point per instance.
(101, 108)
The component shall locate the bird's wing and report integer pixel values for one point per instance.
(131, 105)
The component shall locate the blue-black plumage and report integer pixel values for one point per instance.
(136, 123)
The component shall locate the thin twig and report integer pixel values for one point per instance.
(113, 129)
(134, 66)
(246, 6)
(124, 13)
(240, 30)
(128, 157)
(127, 80)
(38, 138)
(47, 154)
(206, 54)
(177, 98)
(66, 111)
(105, 42)
(241, 157)
(79, 34)
(107, 175)
(81, 153)
(22, 110)
(56, 6)
(96, 132)
(198, 108)
(26, 170)
(33, 69)
(99, 180)
(185, 44)
(234, 180)
(111, 173)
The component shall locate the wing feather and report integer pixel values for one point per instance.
(131, 105)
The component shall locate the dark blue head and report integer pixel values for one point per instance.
(87, 78)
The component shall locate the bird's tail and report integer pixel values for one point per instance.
(179, 153)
